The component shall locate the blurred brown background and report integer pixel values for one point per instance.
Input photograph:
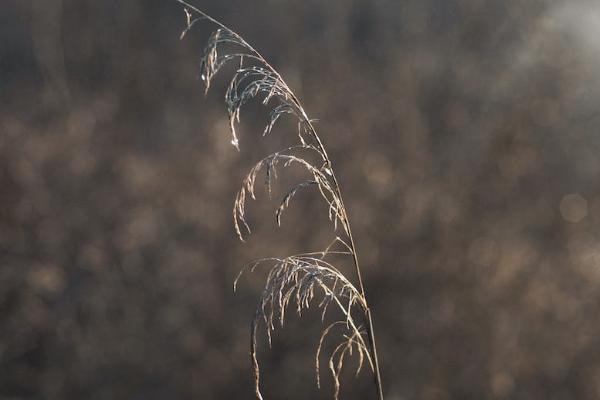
(465, 136)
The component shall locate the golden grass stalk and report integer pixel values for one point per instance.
(294, 281)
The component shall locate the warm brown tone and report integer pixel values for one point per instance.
(298, 276)
(464, 136)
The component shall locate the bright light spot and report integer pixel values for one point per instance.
(573, 207)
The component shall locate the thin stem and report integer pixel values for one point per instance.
(237, 35)
(370, 330)
(342, 208)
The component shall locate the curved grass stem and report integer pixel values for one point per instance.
(295, 278)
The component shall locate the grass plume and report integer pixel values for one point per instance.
(298, 280)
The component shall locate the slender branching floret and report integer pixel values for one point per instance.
(302, 279)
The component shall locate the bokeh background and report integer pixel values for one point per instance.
(464, 133)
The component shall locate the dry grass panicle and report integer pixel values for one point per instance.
(300, 279)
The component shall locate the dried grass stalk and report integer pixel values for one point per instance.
(295, 281)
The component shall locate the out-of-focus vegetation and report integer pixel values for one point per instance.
(464, 134)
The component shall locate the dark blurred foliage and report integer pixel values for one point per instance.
(465, 136)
